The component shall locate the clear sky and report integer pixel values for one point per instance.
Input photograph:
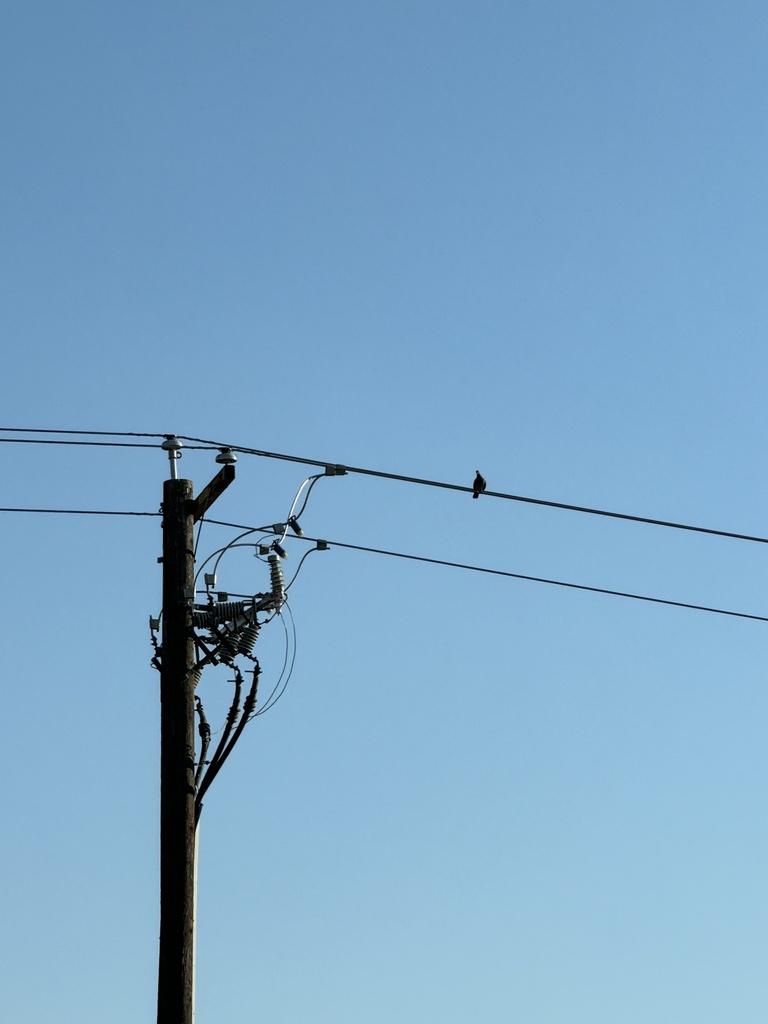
(422, 238)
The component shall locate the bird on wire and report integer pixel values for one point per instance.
(479, 484)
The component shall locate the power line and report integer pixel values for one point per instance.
(78, 512)
(490, 494)
(421, 558)
(85, 433)
(539, 579)
(516, 575)
(206, 446)
(340, 469)
(80, 444)
(99, 444)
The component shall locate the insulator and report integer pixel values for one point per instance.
(226, 610)
(248, 638)
(215, 614)
(226, 457)
(195, 675)
(228, 647)
(173, 446)
(277, 580)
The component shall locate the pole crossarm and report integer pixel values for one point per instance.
(211, 492)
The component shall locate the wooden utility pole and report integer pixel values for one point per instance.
(178, 680)
(177, 760)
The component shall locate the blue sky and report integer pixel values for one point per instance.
(419, 238)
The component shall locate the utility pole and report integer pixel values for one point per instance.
(177, 760)
(178, 679)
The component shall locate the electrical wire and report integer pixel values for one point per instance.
(281, 683)
(230, 735)
(87, 433)
(80, 444)
(540, 579)
(291, 520)
(221, 553)
(204, 730)
(584, 509)
(303, 559)
(511, 575)
(90, 433)
(79, 512)
(267, 531)
(339, 469)
(311, 480)
(399, 554)
(272, 698)
(197, 538)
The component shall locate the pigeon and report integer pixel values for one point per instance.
(479, 484)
